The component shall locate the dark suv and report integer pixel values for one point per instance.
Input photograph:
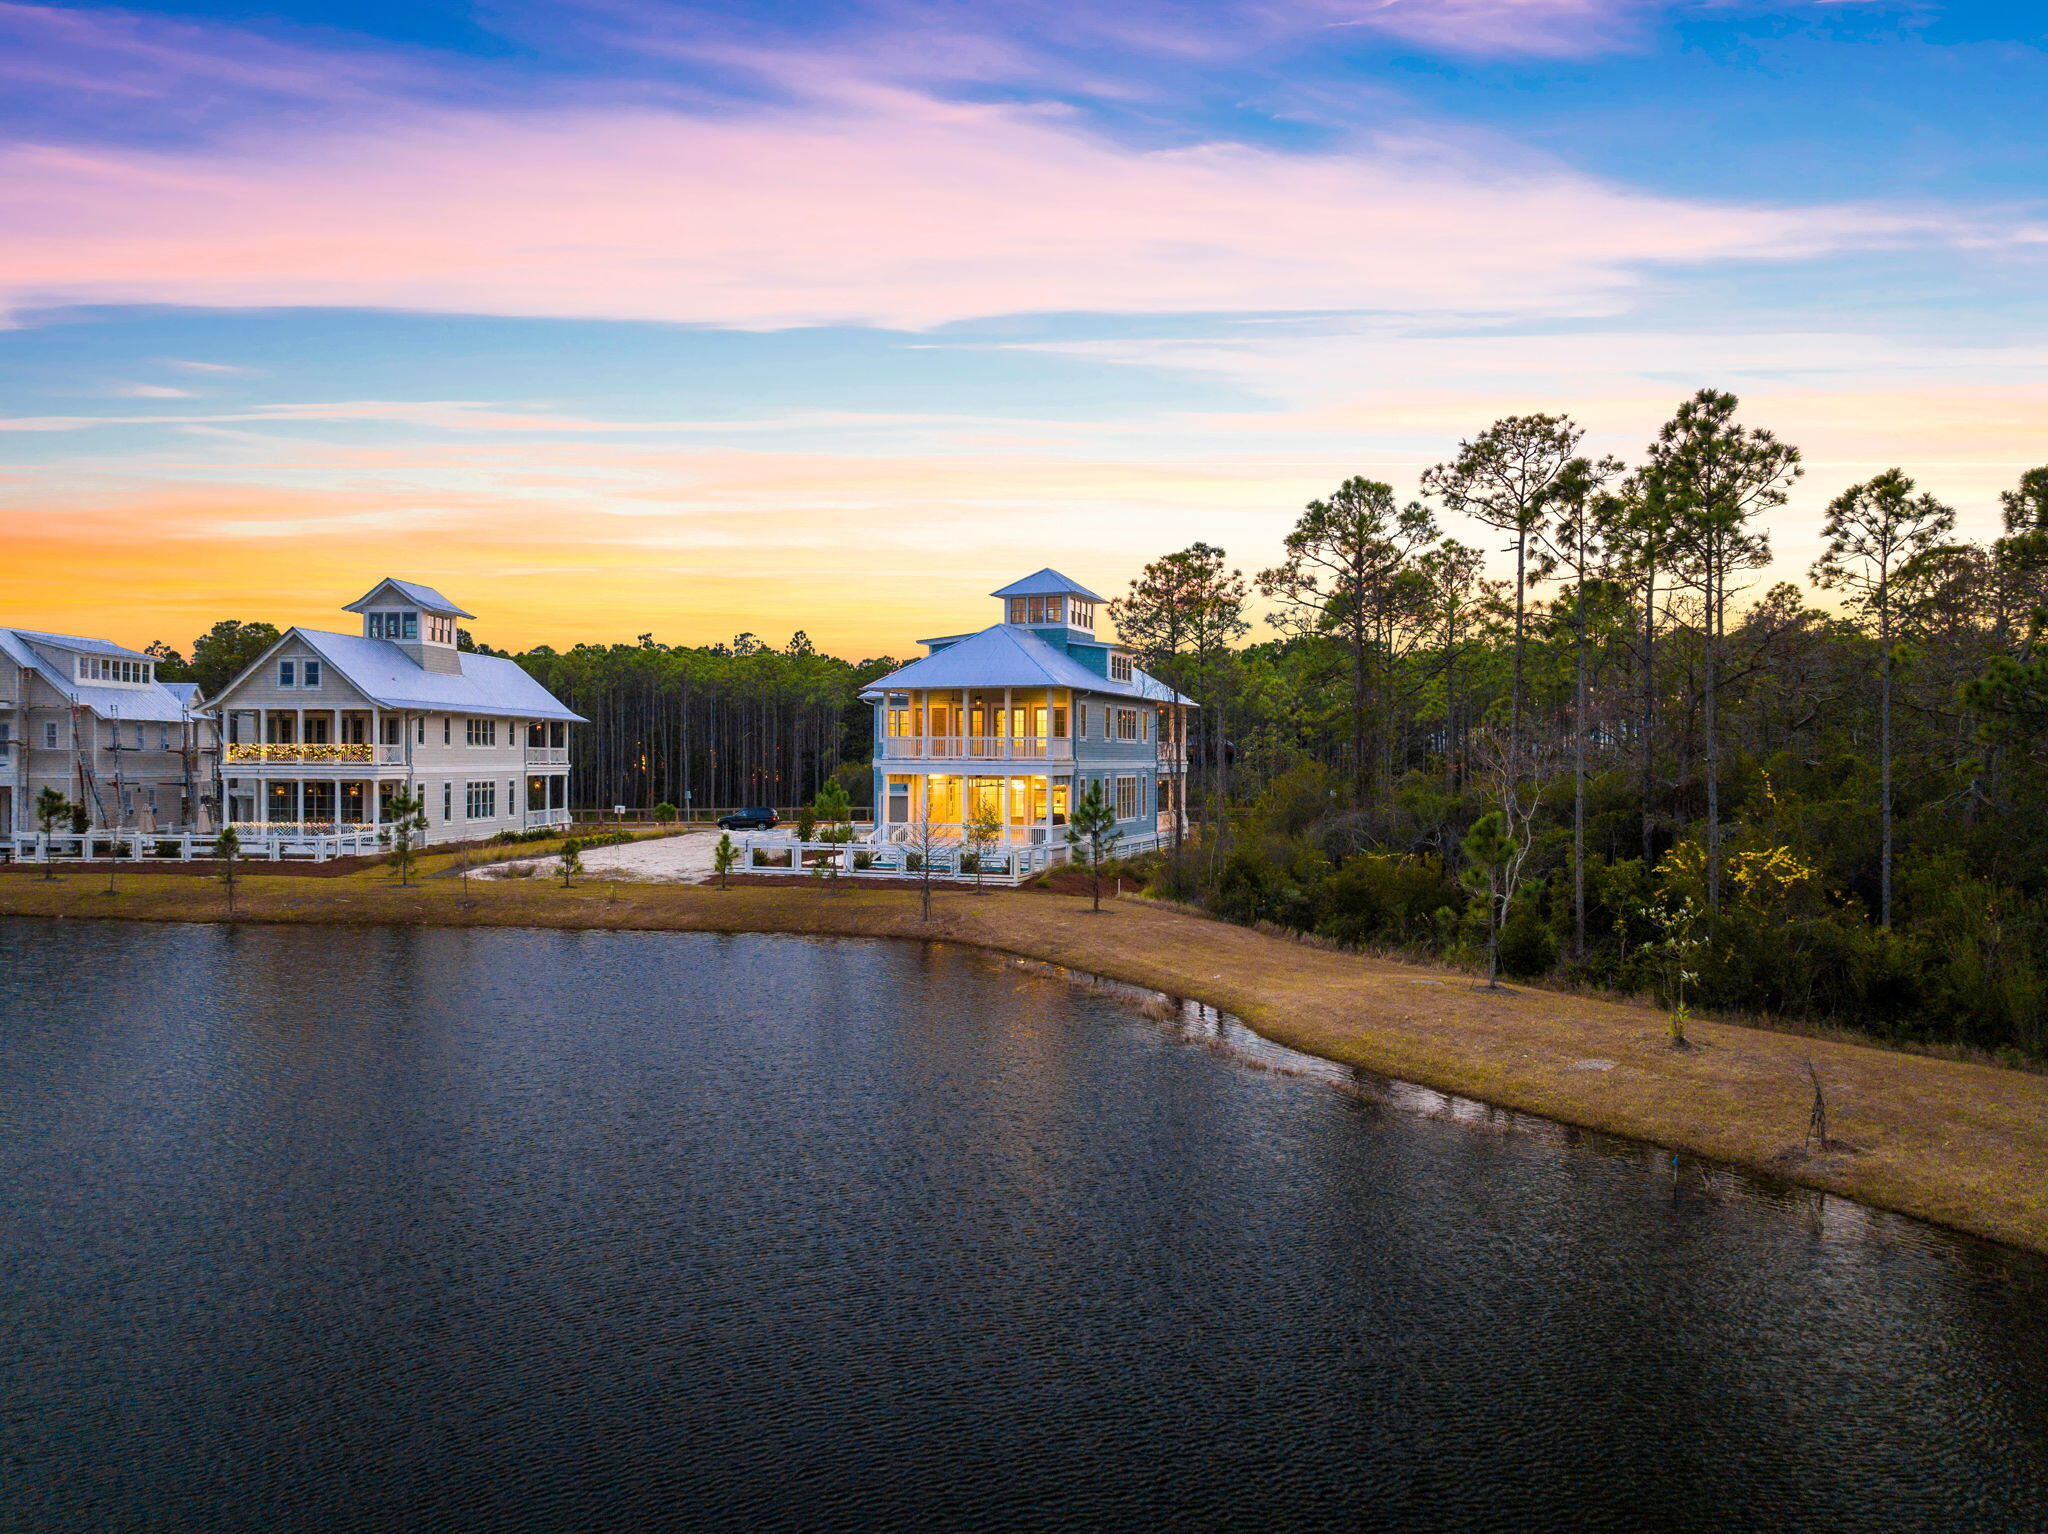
(749, 820)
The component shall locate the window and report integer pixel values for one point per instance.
(1059, 722)
(447, 801)
(1035, 609)
(420, 730)
(1081, 615)
(50, 735)
(899, 802)
(1126, 724)
(394, 625)
(1080, 721)
(1119, 668)
(446, 722)
(482, 801)
(163, 737)
(99, 668)
(311, 670)
(138, 737)
(287, 673)
(1127, 798)
(481, 732)
(1017, 609)
(387, 731)
(1053, 605)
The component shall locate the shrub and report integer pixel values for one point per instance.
(665, 813)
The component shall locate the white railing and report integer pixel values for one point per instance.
(314, 754)
(1000, 865)
(535, 819)
(547, 756)
(272, 841)
(978, 748)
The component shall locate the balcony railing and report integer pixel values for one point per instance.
(308, 754)
(978, 748)
(547, 756)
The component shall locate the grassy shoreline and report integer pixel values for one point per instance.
(1962, 1144)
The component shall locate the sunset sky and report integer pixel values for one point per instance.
(620, 317)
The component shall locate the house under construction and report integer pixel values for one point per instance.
(91, 720)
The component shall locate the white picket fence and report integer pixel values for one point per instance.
(1003, 864)
(147, 846)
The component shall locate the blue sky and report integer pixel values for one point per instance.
(597, 312)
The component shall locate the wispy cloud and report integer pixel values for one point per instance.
(878, 206)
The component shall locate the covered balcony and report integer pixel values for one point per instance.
(1009, 724)
(327, 741)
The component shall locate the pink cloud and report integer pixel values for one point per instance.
(873, 206)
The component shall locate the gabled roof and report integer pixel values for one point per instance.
(1047, 583)
(1004, 656)
(157, 703)
(420, 596)
(382, 672)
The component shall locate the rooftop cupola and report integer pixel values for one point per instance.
(418, 619)
(1048, 600)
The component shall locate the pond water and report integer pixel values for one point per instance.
(397, 1229)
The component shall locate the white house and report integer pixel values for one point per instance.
(322, 731)
(90, 720)
(1018, 722)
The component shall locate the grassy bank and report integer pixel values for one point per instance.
(1959, 1143)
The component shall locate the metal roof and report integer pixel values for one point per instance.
(1047, 583)
(1007, 656)
(412, 591)
(488, 684)
(157, 703)
(83, 646)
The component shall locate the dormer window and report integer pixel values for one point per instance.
(1119, 668)
(399, 625)
(1082, 615)
(103, 668)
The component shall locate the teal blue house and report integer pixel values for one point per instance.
(1018, 720)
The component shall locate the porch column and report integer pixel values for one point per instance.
(1009, 739)
(965, 749)
(1048, 795)
(299, 800)
(336, 737)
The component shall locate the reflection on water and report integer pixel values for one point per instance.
(390, 1229)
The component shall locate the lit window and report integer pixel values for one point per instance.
(1126, 724)
(1036, 610)
(1052, 608)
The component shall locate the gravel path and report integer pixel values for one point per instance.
(684, 859)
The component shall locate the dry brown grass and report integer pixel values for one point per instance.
(1958, 1142)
